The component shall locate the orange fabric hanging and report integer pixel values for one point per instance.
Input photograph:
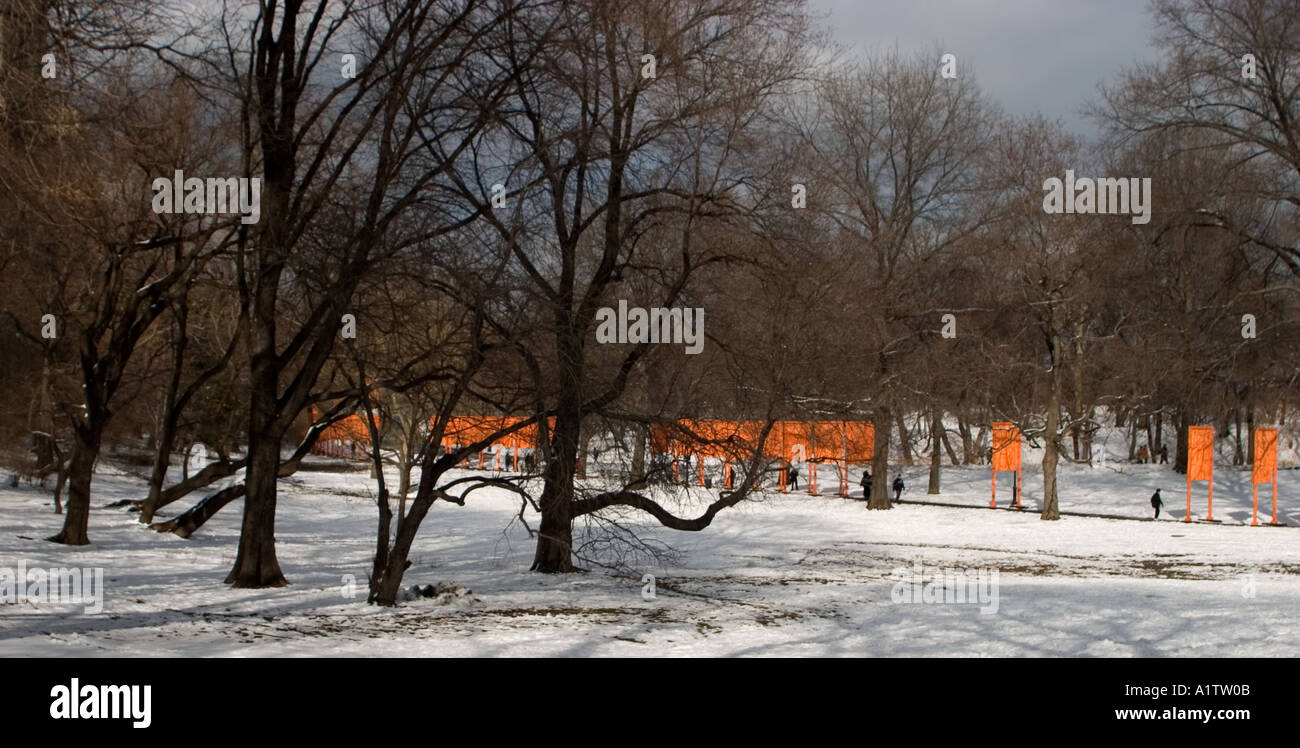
(1200, 453)
(861, 438)
(1265, 470)
(1006, 447)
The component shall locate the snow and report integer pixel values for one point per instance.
(787, 575)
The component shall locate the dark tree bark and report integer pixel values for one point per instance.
(554, 553)
(107, 344)
(1250, 434)
(904, 438)
(1051, 429)
(969, 451)
(188, 522)
(1160, 427)
(81, 466)
(936, 435)
(947, 445)
(1132, 438)
(639, 437)
(1182, 421)
(1238, 451)
(171, 414)
(256, 564)
(882, 423)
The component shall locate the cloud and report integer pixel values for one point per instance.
(1030, 55)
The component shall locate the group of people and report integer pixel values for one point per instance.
(897, 485)
(792, 480)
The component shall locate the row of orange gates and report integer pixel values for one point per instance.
(1200, 464)
(840, 443)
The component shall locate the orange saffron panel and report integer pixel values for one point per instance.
(861, 437)
(1200, 453)
(1006, 447)
(1265, 470)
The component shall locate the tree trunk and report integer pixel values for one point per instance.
(904, 439)
(882, 424)
(555, 535)
(207, 476)
(1180, 459)
(256, 564)
(1051, 437)
(947, 445)
(1146, 427)
(188, 522)
(968, 450)
(936, 435)
(185, 466)
(1051, 508)
(585, 442)
(1086, 436)
(60, 480)
(403, 487)
(386, 581)
(1238, 454)
(1250, 434)
(1132, 438)
(81, 467)
(638, 454)
(1077, 431)
(162, 461)
(554, 552)
(171, 414)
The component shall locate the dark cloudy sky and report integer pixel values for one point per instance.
(1029, 55)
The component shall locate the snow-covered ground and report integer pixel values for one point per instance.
(789, 575)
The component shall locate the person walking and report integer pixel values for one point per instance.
(866, 485)
(898, 489)
(1164, 454)
(1156, 503)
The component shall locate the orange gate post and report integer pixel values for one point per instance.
(1006, 457)
(1200, 465)
(825, 437)
(781, 473)
(1264, 470)
(844, 459)
(810, 458)
(796, 437)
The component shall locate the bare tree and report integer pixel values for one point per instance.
(898, 149)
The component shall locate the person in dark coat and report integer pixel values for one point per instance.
(1156, 503)
(1164, 454)
(794, 478)
(898, 489)
(866, 485)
